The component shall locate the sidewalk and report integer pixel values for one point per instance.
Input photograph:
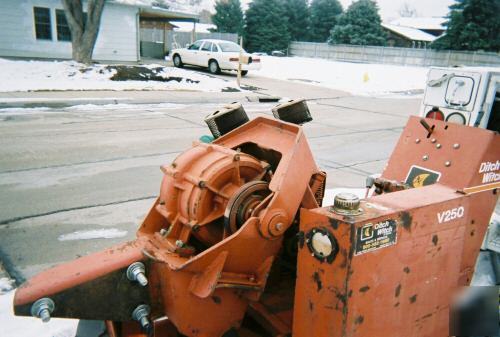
(69, 98)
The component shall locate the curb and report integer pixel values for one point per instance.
(62, 103)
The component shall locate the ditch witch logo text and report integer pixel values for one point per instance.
(489, 171)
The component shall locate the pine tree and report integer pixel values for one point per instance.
(228, 16)
(360, 25)
(324, 16)
(297, 13)
(266, 26)
(472, 25)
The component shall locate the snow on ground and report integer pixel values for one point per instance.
(69, 75)
(105, 233)
(355, 78)
(6, 285)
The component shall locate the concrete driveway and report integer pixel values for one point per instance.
(83, 168)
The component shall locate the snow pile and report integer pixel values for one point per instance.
(6, 284)
(355, 78)
(110, 233)
(188, 27)
(70, 75)
(189, 6)
(121, 107)
(11, 325)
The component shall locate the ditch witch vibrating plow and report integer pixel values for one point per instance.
(237, 244)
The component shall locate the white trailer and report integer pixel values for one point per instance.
(470, 96)
(465, 95)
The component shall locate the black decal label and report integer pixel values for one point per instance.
(419, 176)
(374, 236)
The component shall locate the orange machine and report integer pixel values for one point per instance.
(236, 243)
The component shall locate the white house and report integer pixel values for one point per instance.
(38, 29)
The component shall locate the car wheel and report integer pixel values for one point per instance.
(213, 67)
(178, 61)
(244, 72)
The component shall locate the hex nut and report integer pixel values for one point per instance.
(140, 314)
(42, 309)
(137, 272)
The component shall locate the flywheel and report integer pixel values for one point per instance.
(243, 202)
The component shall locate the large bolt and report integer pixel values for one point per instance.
(140, 314)
(137, 272)
(42, 308)
(279, 226)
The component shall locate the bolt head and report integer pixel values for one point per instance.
(425, 157)
(456, 146)
(42, 308)
(433, 140)
(134, 270)
(447, 163)
(140, 312)
(417, 141)
(438, 146)
(279, 226)
(179, 243)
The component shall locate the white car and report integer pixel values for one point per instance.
(216, 55)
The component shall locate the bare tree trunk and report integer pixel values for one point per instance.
(83, 32)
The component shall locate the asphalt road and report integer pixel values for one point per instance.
(64, 170)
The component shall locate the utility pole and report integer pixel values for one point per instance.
(240, 60)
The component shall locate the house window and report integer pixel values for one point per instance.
(63, 32)
(42, 23)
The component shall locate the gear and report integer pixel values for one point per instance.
(243, 202)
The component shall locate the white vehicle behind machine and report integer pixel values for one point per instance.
(470, 96)
(465, 95)
(215, 55)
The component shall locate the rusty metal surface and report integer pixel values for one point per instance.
(77, 272)
(196, 268)
(389, 270)
(400, 284)
(401, 289)
(454, 151)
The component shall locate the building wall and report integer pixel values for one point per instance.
(395, 40)
(117, 39)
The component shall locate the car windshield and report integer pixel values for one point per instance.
(229, 47)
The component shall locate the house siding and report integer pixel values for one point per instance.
(117, 39)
